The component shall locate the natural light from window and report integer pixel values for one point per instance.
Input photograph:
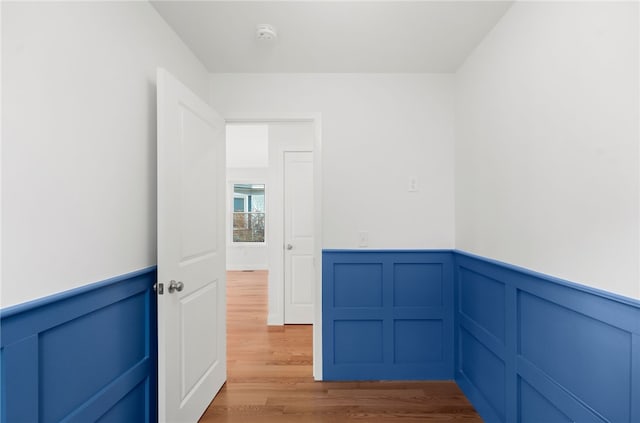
(248, 213)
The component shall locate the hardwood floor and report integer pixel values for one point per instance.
(270, 376)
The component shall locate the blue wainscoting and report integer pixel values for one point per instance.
(531, 348)
(84, 355)
(524, 347)
(387, 315)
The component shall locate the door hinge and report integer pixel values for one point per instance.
(159, 288)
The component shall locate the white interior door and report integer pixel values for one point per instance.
(298, 235)
(191, 253)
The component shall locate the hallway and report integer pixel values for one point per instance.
(270, 376)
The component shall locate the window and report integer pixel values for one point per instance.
(248, 213)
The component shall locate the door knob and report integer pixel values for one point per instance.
(175, 286)
(289, 247)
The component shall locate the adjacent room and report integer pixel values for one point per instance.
(320, 210)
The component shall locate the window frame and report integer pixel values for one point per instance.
(232, 212)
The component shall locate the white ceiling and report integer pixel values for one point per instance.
(333, 36)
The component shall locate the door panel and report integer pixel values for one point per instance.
(191, 320)
(298, 234)
(198, 186)
(302, 289)
(199, 355)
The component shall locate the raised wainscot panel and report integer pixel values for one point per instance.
(387, 314)
(418, 341)
(84, 355)
(358, 341)
(417, 285)
(357, 285)
(482, 300)
(132, 408)
(80, 357)
(589, 358)
(535, 408)
(485, 371)
(568, 352)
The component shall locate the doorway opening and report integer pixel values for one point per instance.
(280, 156)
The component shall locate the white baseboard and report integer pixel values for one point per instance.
(275, 320)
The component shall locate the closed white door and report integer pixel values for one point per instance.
(298, 236)
(191, 253)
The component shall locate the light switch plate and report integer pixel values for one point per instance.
(413, 184)
(363, 239)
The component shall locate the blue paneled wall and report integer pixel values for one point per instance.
(531, 348)
(528, 348)
(523, 347)
(387, 315)
(84, 355)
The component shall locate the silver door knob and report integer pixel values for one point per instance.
(289, 247)
(175, 286)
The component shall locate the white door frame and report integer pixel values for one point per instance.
(278, 318)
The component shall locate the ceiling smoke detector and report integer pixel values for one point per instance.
(266, 32)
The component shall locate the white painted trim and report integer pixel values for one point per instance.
(317, 180)
(240, 268)
(638, 283)
(285, 117)
(278, 318)
(1, 144)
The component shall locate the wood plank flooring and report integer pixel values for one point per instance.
(270, 376)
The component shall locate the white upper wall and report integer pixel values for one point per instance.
(378, 131)
(79, 140)
(247, 146)
(547, 143)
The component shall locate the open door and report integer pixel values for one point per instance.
(191, 253)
